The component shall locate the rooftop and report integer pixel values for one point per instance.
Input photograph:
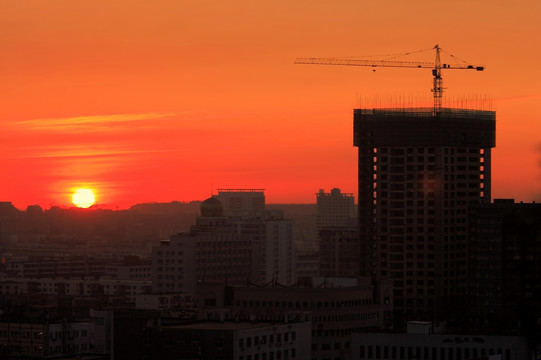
(429, 112)
(226, 325)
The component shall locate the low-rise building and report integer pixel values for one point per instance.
(230, 340)
(124, 289)
(336, 308)
(437, 347)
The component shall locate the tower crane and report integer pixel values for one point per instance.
(437, 66)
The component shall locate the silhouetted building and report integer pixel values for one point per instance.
(270, 234)
(337, 234)
(122, 291)
(254, 246)
(334, 208)
(271, 238)
(504, 284)
(36, 267)
(211, 251)
(418, 173)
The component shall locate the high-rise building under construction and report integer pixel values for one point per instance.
(419, 169)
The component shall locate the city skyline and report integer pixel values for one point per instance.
(167, 101)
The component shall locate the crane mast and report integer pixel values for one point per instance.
(437, 66)
(437, 89)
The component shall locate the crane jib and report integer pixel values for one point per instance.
(436, 67)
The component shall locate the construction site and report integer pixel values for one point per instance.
(419, 170)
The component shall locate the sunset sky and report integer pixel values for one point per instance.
(155, 101)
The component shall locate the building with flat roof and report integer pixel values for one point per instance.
(437, 347)
(337, 233)
(334, 208)
(229, 340)
(335, 307)
(419, 171)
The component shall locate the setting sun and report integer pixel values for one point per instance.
(83, 198)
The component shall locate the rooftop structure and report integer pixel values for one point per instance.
(239, 202)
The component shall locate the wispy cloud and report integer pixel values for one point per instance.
(90, 123)
(83, 151)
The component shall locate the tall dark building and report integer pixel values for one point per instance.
(418, 172)
(504, 267)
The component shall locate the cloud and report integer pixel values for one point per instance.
(90, 123)
(83, 151)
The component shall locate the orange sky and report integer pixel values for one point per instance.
(164, 100)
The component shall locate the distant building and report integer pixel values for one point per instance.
(211, 251)
(337, 233)
(55, 267)
(273, 253)
(334, 208)
(248, 246)
(132, 268)
(419, 171)
(122, 291)
(238, 202)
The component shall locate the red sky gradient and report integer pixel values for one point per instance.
(165, 100)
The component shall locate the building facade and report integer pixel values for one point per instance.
(334, 208)
(504, 275)
(418, 173)
(339, 251)
(212, 251)
(335, 307)
(43, 340)
(437, 347)
(229, 340)
(272, 250)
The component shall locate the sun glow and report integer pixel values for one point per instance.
(83, 198)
